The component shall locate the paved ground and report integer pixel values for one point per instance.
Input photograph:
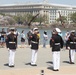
(44, 62)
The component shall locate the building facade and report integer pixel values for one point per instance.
(51, 10)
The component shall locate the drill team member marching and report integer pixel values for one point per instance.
(56, 42)
(72, 46)
(34, 46)
(12, 45)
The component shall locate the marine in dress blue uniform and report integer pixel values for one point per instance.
(12, 45)
(72, 46)
(34, 46)
(56, 42)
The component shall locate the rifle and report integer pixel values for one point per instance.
(60, 17)
(32, 19)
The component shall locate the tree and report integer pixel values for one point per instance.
(27, 19)
(11, 21)
(18, 18)
(40, 19)
(2, 14)
(62, 19)
(73, 17)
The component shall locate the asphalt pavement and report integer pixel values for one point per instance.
(44, 62)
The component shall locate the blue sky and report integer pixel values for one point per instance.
(68, 2)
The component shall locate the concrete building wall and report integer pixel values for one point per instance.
(51, 10)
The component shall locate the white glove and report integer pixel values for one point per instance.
(61, 49)
(68, 48)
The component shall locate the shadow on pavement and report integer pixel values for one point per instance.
(6, 64)
(50, 68)
(50, 62)
(66, 62)
(28, 63)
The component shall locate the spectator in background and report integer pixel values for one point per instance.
(45, 38)
(66, 38)
(0, 38)
(38, 34)
(17, 34)
(3, 34)
(22, 39)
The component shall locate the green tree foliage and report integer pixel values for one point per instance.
(62, 19)
(21, 19)
(2, 14)
(40, 19)
(28, 17)
(73, 17)
(11, 21)
(24, 18)
(18, 19)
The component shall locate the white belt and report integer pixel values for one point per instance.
(57, 43)
(11, 42)
(34, 42)
(73, 42)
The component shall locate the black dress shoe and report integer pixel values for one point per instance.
(11, 66)
(72, 63)
(33, 65)
(56, 70)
